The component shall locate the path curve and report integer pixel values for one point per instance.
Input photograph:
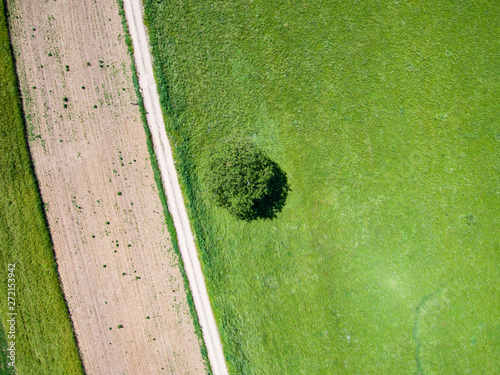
(134, 15)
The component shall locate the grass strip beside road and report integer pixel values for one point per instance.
(44, 338)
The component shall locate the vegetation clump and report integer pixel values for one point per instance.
(245, 181)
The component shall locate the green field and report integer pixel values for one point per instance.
(386, 117)
(44, 338)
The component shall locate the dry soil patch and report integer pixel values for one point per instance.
(120, 276)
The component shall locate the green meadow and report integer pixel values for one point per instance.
(44, 339)
(385, 115)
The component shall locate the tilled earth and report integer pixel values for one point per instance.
(119, 273)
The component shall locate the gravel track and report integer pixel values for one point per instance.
(142, 57)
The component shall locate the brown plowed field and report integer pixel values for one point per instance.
(120, 276)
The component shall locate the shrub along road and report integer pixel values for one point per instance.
(134, 15)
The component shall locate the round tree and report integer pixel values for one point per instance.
(245, 181)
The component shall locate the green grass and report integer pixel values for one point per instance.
(45, 343)
(386, 118)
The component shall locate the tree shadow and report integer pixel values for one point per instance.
(273, 202)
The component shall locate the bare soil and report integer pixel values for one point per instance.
(119, 273)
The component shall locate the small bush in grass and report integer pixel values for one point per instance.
(245, 181)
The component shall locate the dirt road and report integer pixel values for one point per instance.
(134, 14)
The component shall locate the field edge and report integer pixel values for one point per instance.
(44, 228)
